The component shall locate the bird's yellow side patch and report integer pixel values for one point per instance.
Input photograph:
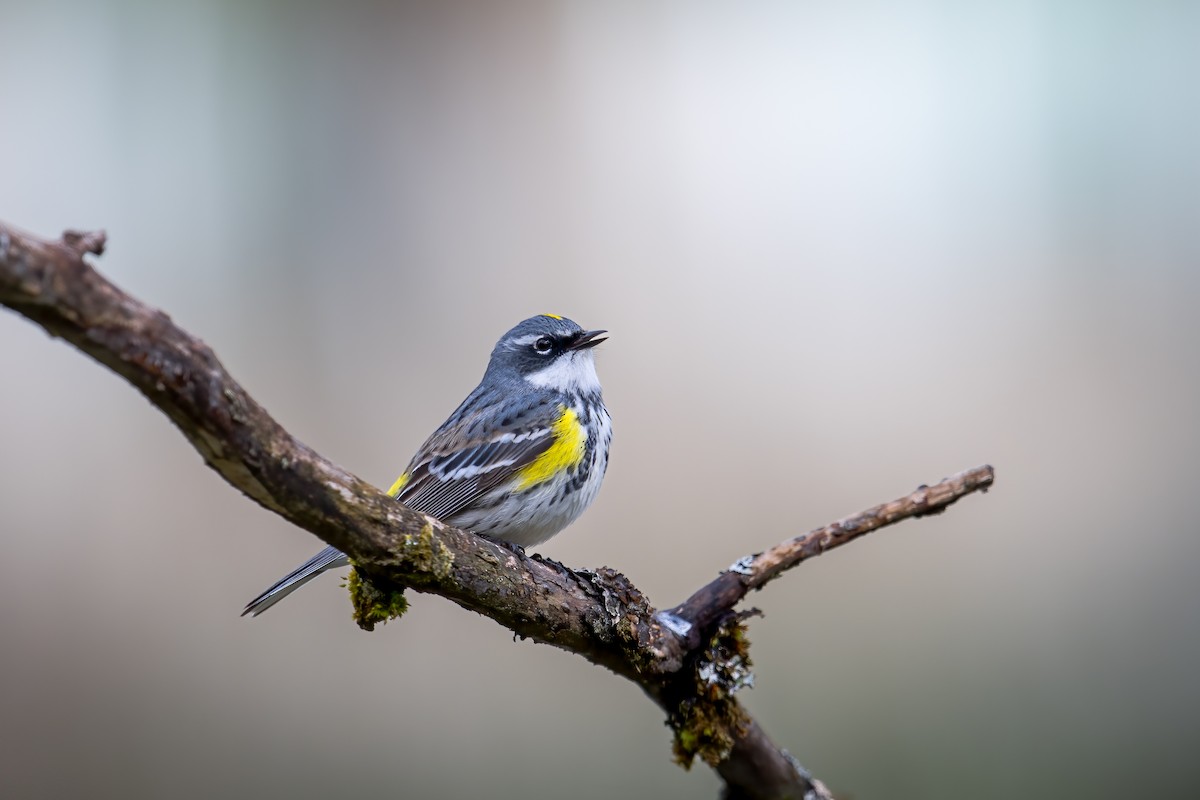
(552, 316)
(570, 444)
(398, 485)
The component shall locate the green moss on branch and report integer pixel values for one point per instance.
(706, 718)
(373, 602)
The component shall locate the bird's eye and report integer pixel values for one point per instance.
(543, 345)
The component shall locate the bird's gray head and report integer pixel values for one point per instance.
(549, 351)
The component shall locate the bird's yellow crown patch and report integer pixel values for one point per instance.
(552, 316)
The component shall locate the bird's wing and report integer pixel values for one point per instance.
(450, 472)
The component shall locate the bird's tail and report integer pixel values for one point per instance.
(329, 558)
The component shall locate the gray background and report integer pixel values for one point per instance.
(843, 249)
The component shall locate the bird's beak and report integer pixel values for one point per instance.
(587, 340)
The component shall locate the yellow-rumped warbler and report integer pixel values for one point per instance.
(519, 460)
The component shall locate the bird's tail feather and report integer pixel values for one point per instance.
(329, 558)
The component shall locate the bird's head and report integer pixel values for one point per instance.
(549, 351)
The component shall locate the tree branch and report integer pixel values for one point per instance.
(754, 572)
(690, 661)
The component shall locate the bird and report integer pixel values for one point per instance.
(519, 460)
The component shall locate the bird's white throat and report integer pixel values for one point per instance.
(571, 372)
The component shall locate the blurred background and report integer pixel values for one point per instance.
(843, 249)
